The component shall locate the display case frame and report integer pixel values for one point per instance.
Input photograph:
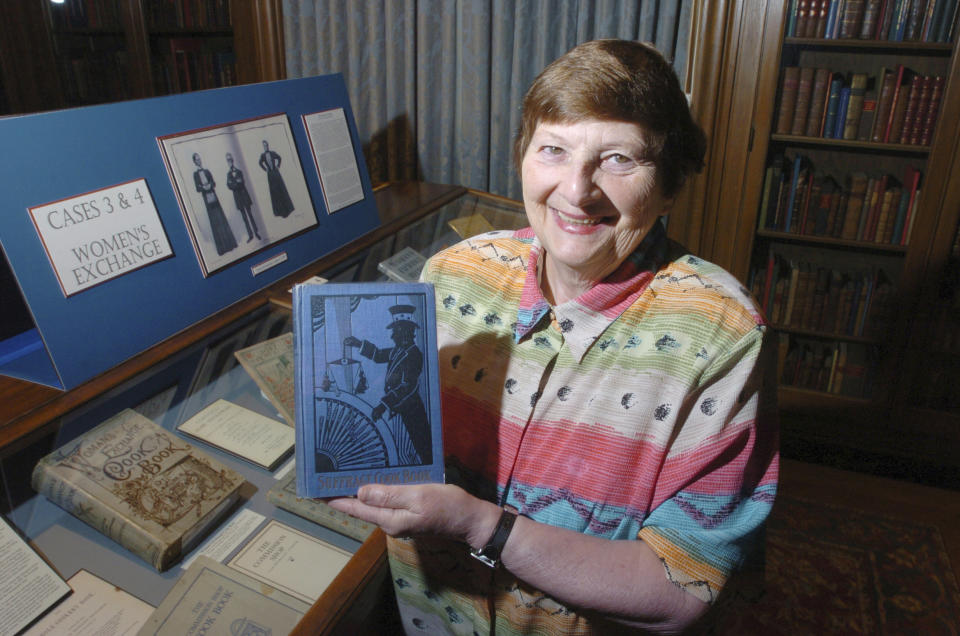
(34, 419)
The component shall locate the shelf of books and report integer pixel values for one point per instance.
(191, 44)
(103, 47)
(90, 47)
(858, 99)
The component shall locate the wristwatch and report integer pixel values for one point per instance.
(489, 554)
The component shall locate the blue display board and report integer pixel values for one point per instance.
(171, 150)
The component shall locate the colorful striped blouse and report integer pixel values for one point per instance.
(640, 410)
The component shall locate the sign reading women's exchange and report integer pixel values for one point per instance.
(94, 237)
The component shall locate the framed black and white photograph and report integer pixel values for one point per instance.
(240, 186)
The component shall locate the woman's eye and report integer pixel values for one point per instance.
(615, 162)
(552, 150)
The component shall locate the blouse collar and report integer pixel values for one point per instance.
(583, 319)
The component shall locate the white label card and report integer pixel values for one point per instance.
(94, 237)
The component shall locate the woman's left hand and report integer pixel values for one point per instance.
(431, 509)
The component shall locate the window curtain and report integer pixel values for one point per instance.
(436, 85)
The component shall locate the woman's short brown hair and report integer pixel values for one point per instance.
(620, 80)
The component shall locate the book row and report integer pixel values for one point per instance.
(86, 14)
(817, 297)
(188, 14)
(193, 67)
(799, 199)
(893, 20)
(161, 14)
(896, 105)
(95, 77)
(838, 368)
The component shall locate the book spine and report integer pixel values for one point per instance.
(871, 12)
(799, 26)
(930, 116)
(858, 87)
(899, 21)
(818, 102)
(883, 22)
(791, 27)
(850, 24)
(788, 99)
(896, 102)
(791, 197)
(842, 107)
(913, 134)
(833, 105)
(914, 21)
(831, 18)
(821, 23)
(802, 109)
(841, 7)
(92, 511)
(883, 106)
(903, 126)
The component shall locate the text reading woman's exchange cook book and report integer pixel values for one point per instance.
(367, 386)
(140, 485)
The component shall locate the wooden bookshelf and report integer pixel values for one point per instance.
(86, 52)
(910, 396)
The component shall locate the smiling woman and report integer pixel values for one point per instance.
(611, 438)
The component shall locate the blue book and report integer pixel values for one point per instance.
(833, 102)
(797, 166)
(792, 19)
(841, 118)
(831, 19)
(367, 386)
(899, 21)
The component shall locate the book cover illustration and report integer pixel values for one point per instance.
(140, 485)
(367, 386)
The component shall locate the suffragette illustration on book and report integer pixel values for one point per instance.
(367, 386)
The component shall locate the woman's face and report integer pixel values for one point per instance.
(591, 195)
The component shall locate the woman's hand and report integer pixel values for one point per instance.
(433, 509)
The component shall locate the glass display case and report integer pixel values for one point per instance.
(174, 380)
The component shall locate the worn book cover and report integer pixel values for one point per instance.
(212, 598)
(284, 495)
(270, 364)
(367, 386)
(140, 485)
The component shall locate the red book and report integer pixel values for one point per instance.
(900, 131)
(788, 99)
(923, 104)
(930, 117)
(898, 100)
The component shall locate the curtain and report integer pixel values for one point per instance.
(436, 85)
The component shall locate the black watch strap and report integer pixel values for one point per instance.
(489, 554)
